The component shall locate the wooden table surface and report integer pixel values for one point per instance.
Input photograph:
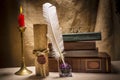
(8, 74)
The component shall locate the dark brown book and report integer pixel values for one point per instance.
(78, 45)
(100, 63)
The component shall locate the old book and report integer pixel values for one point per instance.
(80, 45)
(88, 36)
(100, 63)
(81, 53)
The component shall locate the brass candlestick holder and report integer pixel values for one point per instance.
(23, 70)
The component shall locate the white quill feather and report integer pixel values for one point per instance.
(54, 30)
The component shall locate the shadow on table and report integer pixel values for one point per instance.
(115, 70)
(34, 77)
(5, 74)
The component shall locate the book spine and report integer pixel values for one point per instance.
(89, 36)
(80, 45)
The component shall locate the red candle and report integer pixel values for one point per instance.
(21, 18)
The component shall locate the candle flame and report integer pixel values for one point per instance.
(20, 9)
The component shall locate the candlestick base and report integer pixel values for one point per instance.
(23, 71)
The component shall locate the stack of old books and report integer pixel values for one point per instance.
(82, 54)
(81, 44)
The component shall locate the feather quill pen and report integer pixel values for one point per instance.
(54, 30)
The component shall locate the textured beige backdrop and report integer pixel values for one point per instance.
(74, 16)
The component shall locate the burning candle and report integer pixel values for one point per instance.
(21, 18)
